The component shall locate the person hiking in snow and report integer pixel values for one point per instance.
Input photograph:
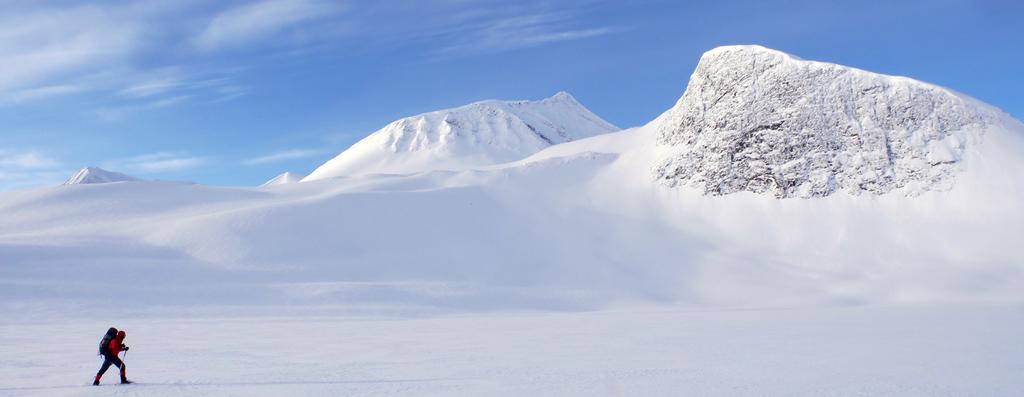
(112, 345)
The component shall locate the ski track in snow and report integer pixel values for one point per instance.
(912, 350)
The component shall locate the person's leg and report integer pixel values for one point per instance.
(103, 368)
(120, 364)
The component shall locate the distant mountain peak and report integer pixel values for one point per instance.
(479, 134)
(759, 120)
(92, 175)
(562, 96)
(283, 179)
(747, 49)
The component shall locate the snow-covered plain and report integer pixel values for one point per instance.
(851, 351)
(570, 271)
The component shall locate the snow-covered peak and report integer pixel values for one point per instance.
(90, 175)
(562, 97)
(283, 179)
(760, 120)
(478, 134)
(746, 50)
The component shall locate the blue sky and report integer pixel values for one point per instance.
(235, 92)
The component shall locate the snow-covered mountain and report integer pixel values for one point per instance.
(478, 134)
(283, 179)
(582, 223)
(90, 175)
(759, 120)
(899, 274)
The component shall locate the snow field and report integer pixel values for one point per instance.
(668, 351)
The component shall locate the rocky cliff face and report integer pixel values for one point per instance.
(758, 120)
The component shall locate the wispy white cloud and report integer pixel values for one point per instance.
(110, 114)
(49, 51)
(24, 179)
(28, 168)
(143, 51)
(151, 87)
(228, 93)
(155, 163)
(40, 93)
(38, 46)
(173, 86)
(284, 155)
(470, 27)
(26, 160)
(250, 22)
(122, 112)
(513, 32)
(169, 101)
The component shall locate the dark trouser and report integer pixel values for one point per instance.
(107, 361)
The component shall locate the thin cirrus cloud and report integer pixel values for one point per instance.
(155, 163)
(292, 154)
(26, 160)
(39, 46)
(118, 113)
(151, 87)
(247, 23)
(50, 51)
(521, 31)
(172, 87)
(39, 93)
(26, 168)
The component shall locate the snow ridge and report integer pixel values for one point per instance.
(91, 175)
(759, 120)
(478, 134)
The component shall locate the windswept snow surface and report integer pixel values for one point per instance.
(528, 277)
(479, 134)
